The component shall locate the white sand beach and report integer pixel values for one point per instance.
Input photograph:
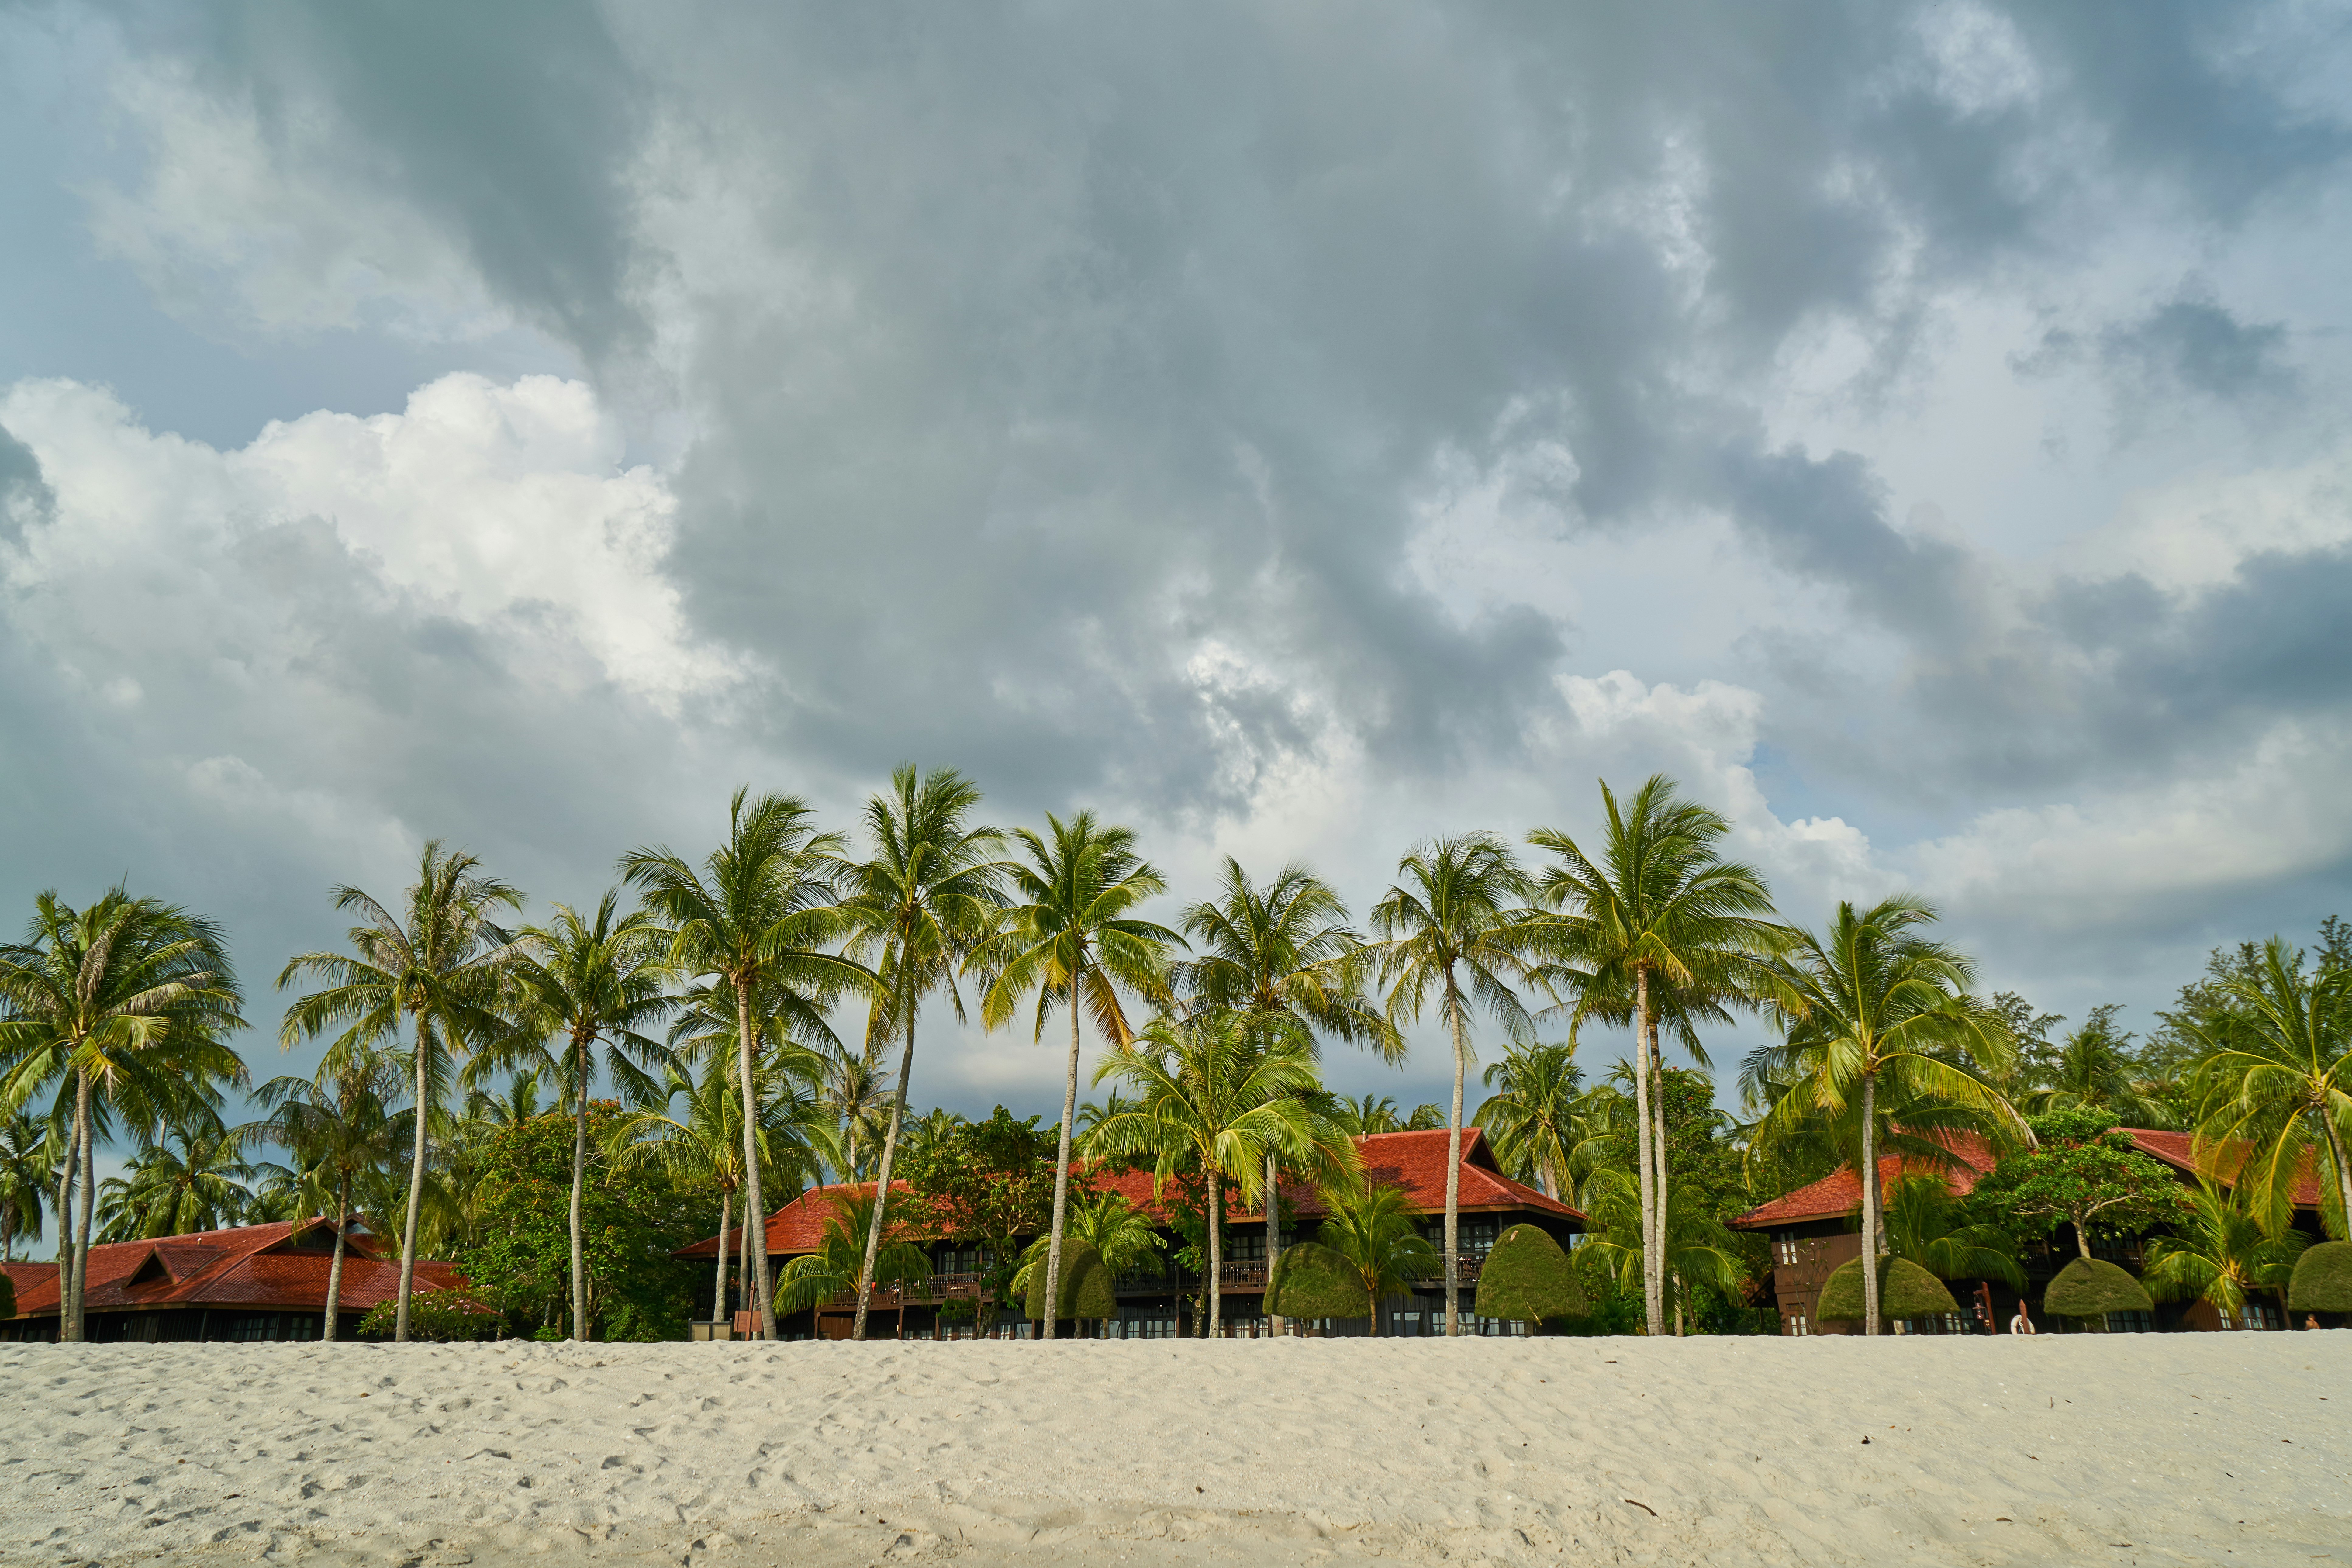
(2125, 1449)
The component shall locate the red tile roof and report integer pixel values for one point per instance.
(1413, 1161)
(257, 1266)
(1839, 1194)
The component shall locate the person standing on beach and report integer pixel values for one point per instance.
(2021, 1323)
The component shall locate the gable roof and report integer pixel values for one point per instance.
(253, 1266)
(1839, 1194)
(1413, 1161)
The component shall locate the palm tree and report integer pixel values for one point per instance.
(858, 1092)
(1927, 1226)
(1533, 1118)
(340, 1128)
(835, 1266)
(1071, 938)
(128, 999)
(919, 906)
(444, 969)
(2276, 1090)
(1378, 1231)
(1454, 924)
(1659, 924)
(1370, 1114)
(2220, 1255)
(187, 1175)
(701, 1141)
(756, 920)
(588, 982)
(1693, 1248)
(1217, 1096)
(1122, 1235)
(1875, 1009)
(518, 1104)
(1284, 959)
(30, 1155)
(2092, 1067)
(927, 1134)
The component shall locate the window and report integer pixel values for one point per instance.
(1796, 1324)
(2131, 1323)
(1784, 1246)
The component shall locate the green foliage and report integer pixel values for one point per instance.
(1311, 1280)
(2323, 1279)
(1085, 1285)
(1377, 1231)
(440, 1315)
(2084, 1173)
(834, 1268)
(1927, 1225)
(2092, 1288)
(1610, 1309)
(1527, 1275)
(2219, 1254)
(8, 1297)
(632, 1217)
(1426, 1119)
(989, 1182)
(1121, 1235)
(1904, 1290)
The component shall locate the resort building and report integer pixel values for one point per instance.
(1818, 1227)
(1158, 1301)
(255, 1282)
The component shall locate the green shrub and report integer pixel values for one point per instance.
(1904, 1290)
(1527, 1274)
(1085, 1285)
(453, 1314)
(2092, 1288)
(2323, 1278)
(1310, 1280)
(7, 1296)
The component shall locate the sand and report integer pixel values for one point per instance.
(2125, 1449)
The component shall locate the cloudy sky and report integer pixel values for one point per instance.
(1291, 429)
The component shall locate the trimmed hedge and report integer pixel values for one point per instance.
(2323, 1278)
(1904, 1290)
(2092, 1288)
(7, 1296)
(1527, 1275)
(1310, 1280)
(1085, 1284)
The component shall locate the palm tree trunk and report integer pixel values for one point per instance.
(579, 1181)
(85, 1136)
(335, 1266)
(719, 1288)
(416, 1198)
(1870, 1204)
(1216, 1257)
(1273, 1207)
(755, 1212)
(1665, 1199)
(882, 1190)
(1453, 1167)
(1062, 1160)
(68, 1176)
(743, 1262)
(1654, 1320)
(2343, 1172)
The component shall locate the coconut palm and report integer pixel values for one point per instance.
(918, 909)
(2274, 1090)
(1284, 958)
(1693, 1247)
(1535, 1117)
(693, 1128)
(517, 1103)
(1928, 1226)
(1070, 936)
(1368, 1114)
(189, 1175)
(1658, 927)
(128, 1001)
(1453, 926)
(2219, 1254)
(444, 969)
(1878, 1018)
(584, 983)
(338, 1129)
(756, 918)
(31, 1153)
(1122, 1235)
(1378, 1231)
(2092, 1067)
(1216, 1096)
(927, 1135)
(835, 1268)
(857, 1090)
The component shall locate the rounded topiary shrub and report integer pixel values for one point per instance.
(2323, 1279)
(1527, 1274)
(7, 1296)
(1310, 1280)
(1904, 1290)
(1085, 1284)
(2092, 1288)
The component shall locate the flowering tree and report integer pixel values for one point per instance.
(2080, 1172)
